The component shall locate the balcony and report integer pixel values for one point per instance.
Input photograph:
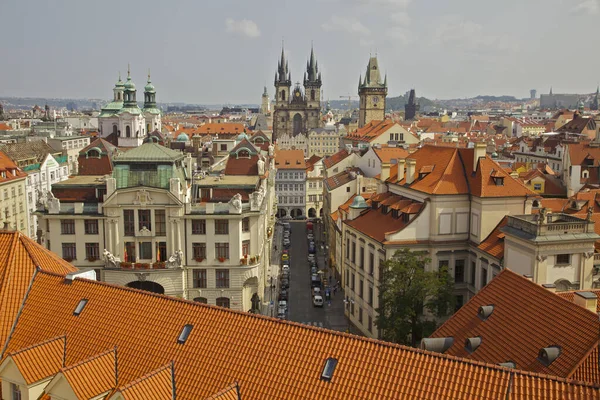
(137, 266)
(540, 225)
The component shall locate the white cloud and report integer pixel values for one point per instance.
(399, 35)
(400, 18)
(243, 27)
(366, 42)
(345, 24)
(454, 31)
(392, 3)
(587, 7)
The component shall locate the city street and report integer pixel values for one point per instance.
(300, 307)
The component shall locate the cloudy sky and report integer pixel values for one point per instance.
(225, 51)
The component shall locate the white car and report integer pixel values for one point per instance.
(311, 257)
(310, 236)
(285, 268)
(316, 291)
(318, 301)
(286, 242)
(282, 305)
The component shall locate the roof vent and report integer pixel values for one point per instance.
(508, 364)
(438, 345)
(485, 311)
(547, 355)
(328, 369)
(80, 307)
(185, 332)
(471, 344)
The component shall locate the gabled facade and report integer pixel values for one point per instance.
(378, 133)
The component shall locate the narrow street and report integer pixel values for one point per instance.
(300, 307)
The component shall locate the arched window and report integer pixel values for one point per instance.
(585, 174)
(243, 154)
(127, 131)
(259, 140)
(283, 95)
(114, 129)
(312, 94)
(93, 153)
(223, 302)
(120, 96)
(201, 300)
(536, 204)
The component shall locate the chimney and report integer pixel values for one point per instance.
(478, 152)
(359, 182)
(528, 277)
(411, 165)
(550, 286)
(385, 171)
(586, 300)
(401, 163)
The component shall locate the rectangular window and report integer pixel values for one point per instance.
(223, 147)
(199, 279)
(353, 252)
(221, 227)
(130, 255)
(222, 278)
(483, 277)
(146, 250)
(246, 224)
(198, 227)
(361, 261)
(347, 248)
(199, 250)
(144, 219)
(15, 392)
(459, 302)
(360, 315)
(473, 268)
(537, 186)
(161, 248)
(222, 250)
(67, 226)
(370, 296)
(352, 282)
(361, 291)
(161, 222)
(91, 226)
(371, 263)
(245, 248)
(128, 223)
(370, 324)
(69, 252)
(563, 259)
(92, 251)
(459, 271)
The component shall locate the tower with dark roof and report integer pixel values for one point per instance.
(595, 106)
(296, 111)
(372, 92)
(412, 107)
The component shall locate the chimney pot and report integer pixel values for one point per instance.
(478, 152)
(385, 171)
(401, 163)
(411, 164)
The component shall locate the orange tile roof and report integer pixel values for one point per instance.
(289, 159)
(371, 131)
(93, 376)
(19, 258)
(342, 178)
(157, 385)
(387, 154)
(452, 173)
(494, 243)
(12, 171)
(330, 161)
(526, 318)
(268, 357)
(224, 128)
(40, 361)
(5, 127)
(229, 393)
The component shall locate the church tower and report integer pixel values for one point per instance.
(312, 91)
(151, 112)
(595, 106)
(118, 90)
(283, 83)
(372, 92)
(412, 107)
(265, 107)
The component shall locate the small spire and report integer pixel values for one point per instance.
(385, 80)
(128, 71)
(119, 76)
(148, 75)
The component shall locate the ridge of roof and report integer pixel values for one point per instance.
(145, 387)
(231, 392)
(35, 363)
(101, 366)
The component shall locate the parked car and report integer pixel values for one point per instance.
(286, 242)
(310, 236)
(286, 234)
(315, 281)
(313, 270)
(318, 301)
(313, 264)
(283, 304)
(312, 249)
(285, 262)
(283, 295)
(285, 283)
(281, 314)
(285, 268)
(316, 291)
(285, 257)
(311, 257)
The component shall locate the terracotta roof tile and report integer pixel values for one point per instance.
(289, 159)
(494, 243)
(157, 385)
(224, 128)
(342, 178)
(526, 318)
(371, 131)
(12, 171)
(330, 161)
(229, 393)
(40, 361)
(93, 376)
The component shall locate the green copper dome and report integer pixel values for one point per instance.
(119, 82)
(149, 88)
(129, 84)
(359, 202)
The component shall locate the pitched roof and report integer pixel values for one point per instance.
(41, 360)
(157, 385)
(452, 173)
(578, 152)
(216, 128)
(36, 149)
(289, 159)
(372, 130)
(20, 256)
(330, 161)
(104, 146)
(526, 318)
(229, 393)
(578, 125)
(386, 153)
(268, 357)
(93, 376)
(494, 243)
(342, 178)
(149, 152)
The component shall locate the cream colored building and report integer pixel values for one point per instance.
(152, 228)
(70, 146)
(13, 196)
(314, 187)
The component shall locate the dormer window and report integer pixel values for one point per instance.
(498, 180)
(374, 205)
(384, 209)
(243, 154)
(395, 214)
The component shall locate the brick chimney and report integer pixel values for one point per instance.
(401, 163)
(478, 152)
(587, 300)
(385, 171)
(411, 165)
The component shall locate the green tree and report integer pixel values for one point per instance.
(406, 290)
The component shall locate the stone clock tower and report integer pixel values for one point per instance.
(372, 93)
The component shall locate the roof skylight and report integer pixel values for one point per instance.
(185, 332)
(328, 369)
(80, 307)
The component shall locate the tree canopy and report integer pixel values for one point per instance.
(406, 292)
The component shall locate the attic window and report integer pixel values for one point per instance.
(243, 154)
(80, 307)
(498, 181)
(395, 214)
(471, 344)
(437, 345)
(485, 311)
(374, 205)
(547, 355)
(185, 332)
(384, 209)
(328, 369)
(536, 204)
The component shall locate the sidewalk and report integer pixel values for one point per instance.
(270, 296)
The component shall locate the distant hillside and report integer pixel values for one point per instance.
(505, 99)
(393, 103)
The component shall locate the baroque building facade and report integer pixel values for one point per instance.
(296, 111)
